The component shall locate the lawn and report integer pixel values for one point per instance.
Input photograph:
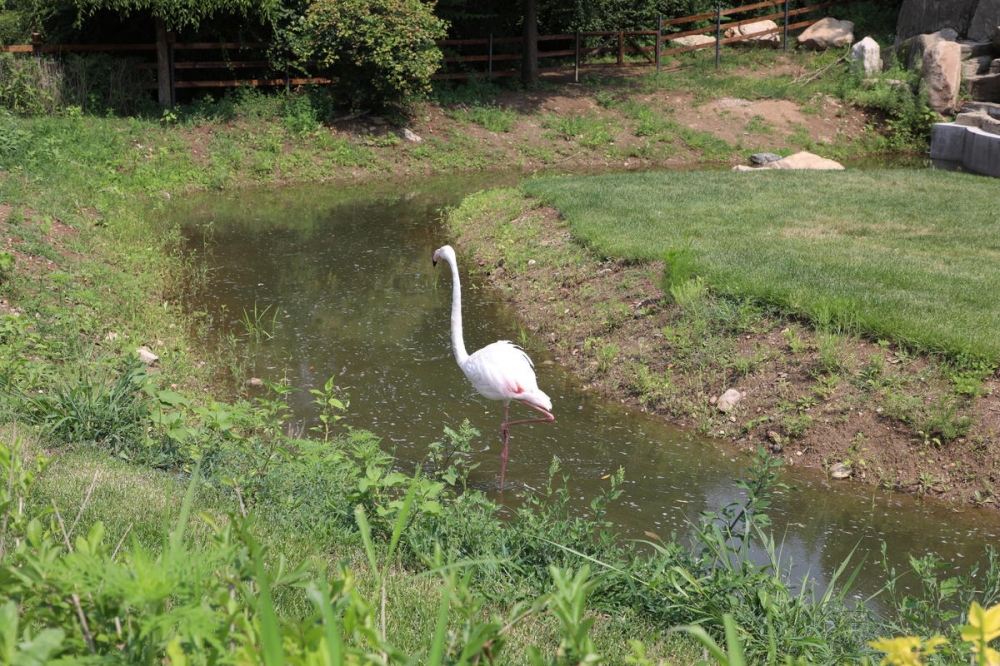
(904, 255)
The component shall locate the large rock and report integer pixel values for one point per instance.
(984, 87)
(804, 160)
(755, 27)
(693, 40)
(942, 71)
(800, 160)
(983, 26)
(921, 44)
(827, 33)
(866, 56)
(975, 19)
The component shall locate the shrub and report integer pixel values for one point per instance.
(382, 52)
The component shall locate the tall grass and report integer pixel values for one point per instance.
(897, 255)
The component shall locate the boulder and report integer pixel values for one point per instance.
(693, 40)
(753, 28)
(984, 87)
(921, 44)
(942, 72)
(975, 49)
(803, 160)
(923, 16)
(984, 21)
(976, 66)
(827, 33)
(866, 56)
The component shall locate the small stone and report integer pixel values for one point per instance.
(255, 382)
(409, 135)
(728, 400)
(146, 356)
(839, 471)
(110, 336)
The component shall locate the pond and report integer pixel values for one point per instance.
(344, 277)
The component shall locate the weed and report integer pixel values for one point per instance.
(258, 325)
(796, 344)
(830, 355)
(943, 421)
(493, 118)
(589, 130)
(796, 425)
(110, 411)
(331, 402)
(451, 460)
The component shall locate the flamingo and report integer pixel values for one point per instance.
(499, 371)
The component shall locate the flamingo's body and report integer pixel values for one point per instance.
(499, 371)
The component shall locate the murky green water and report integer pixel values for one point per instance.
(349, 272)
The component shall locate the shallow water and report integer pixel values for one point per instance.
(349, 273)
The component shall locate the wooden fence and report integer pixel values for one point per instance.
(464, 58)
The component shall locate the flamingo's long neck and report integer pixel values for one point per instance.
(457, 342)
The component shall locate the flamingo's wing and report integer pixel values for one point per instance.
(502, 371)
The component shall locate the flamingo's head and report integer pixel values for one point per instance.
(446, 253)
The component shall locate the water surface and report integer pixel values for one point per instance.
(348, 270)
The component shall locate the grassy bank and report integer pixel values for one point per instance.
(898, 255)
(175, 523)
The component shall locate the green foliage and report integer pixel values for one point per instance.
(6, 266)
(493, 118)
(331, 402)
(450, 460)
(109, 411)
(96, 83)
(381, 52)
(181, 13)
(895, 93)
(590, 131)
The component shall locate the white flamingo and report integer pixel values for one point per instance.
(499, 371)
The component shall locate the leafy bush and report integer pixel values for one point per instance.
(382, 52)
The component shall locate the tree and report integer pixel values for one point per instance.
(381, 52)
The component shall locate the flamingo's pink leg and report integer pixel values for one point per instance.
(505, 432)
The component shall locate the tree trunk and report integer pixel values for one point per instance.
(529, 59)
(163, 65)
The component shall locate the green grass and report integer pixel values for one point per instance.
(901, 255)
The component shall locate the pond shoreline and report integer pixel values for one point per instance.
(606, 321)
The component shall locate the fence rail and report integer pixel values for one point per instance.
(466, 58)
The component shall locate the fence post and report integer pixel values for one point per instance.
(171, 38)
(576, 57)
(718, 33)
(784, 39)
(659, 39)
(36, 44)
(489, 60)
(621, 47)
